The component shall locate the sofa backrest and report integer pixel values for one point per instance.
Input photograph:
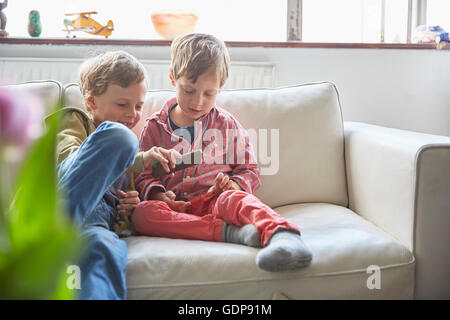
(297, 134)
(48, 90)
(308, 118)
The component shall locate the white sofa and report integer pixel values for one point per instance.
(364, 196)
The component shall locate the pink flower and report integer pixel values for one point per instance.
(21, 116)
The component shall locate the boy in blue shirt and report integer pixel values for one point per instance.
(96, 154)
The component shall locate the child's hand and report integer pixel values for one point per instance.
(166, 157)
(169, 198)
(128, 202)
(223, 183)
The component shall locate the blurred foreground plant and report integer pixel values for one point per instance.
(37, 239)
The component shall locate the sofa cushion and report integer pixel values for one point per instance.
(50, 92)
(72, 96)
(344, 245)
(306, 152)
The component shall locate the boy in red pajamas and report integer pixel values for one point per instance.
(212, 200)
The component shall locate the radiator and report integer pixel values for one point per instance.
(17, 70)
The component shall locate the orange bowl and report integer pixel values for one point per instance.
(170, 25)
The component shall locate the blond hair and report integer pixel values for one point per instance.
(195, 53)
(114, 67)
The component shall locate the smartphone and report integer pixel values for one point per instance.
(187, 160)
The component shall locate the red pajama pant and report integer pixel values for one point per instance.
(205, 216)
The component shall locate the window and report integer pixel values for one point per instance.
(238, 20)
(438, 13)
(354, 21)
(370, 20)
(396, 21)
(340, 21)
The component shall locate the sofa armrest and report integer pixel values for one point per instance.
(400, 180)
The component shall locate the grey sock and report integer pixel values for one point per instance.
(286, 251)
(247, 235)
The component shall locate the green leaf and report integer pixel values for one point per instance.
(42, 239)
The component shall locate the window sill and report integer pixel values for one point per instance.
(244, 44)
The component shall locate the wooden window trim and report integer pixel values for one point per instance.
(236, 44)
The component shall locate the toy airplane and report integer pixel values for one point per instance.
(85, 23)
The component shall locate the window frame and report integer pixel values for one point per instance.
(417, 15)
(417, 12)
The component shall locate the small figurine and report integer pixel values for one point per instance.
(34, 23)
(85, 23)
(3, 32)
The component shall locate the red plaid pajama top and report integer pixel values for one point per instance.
(226, 148)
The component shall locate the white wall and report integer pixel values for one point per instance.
(406, 89)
